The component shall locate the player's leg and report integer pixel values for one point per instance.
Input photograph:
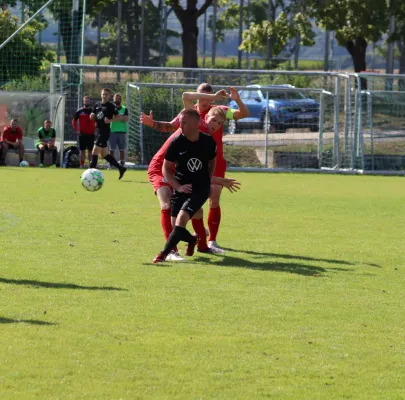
(82, 148)
(214, 213)
(177, 201)
(112, 143)
(4, 151)
(89, 147)
(41, 147)
(54, 151)
(122, 145)
(111, 159)
(21, 150)
(198, 225)
(163, 193)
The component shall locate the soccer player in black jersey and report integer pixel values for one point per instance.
(193, 155)
(103, 113)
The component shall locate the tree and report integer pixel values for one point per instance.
(131, 33)
(188, 18)
(259, 11)
(22, 56)
(286, 26)
(355, 22)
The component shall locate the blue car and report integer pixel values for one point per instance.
(288, 108)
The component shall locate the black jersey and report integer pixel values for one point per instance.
(103, 110)
(192, 158)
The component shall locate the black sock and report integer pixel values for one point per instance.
(178, 234)
(172, 240)
(94, 161)
(41, 156)
(54, 155)
(187, 236)
(111, 159)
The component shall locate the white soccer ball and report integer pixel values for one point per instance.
(24, 164)
(92, 179)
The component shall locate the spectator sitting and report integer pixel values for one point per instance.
(46, 141)
(12, 139)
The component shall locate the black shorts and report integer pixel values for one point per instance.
(101, 139)
(86, 142)
(188, 202)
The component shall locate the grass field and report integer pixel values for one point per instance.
(307, 303)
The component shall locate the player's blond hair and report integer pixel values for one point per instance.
(205, 88)
(217, 112)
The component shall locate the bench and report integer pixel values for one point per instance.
(31, 154)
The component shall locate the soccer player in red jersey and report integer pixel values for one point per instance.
(204, 104)
(11, 139)
(84, 127)
(213, 120)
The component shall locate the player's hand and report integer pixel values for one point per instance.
(231, 184)
(107, 121)
(93, 116)
(234, 95)
(221, 94)
(146, 119)
(185, 188)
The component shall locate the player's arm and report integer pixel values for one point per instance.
(53, 137)
(190, 97)
(74, 122)
(4, 137)
(243, 111)
(168, 173)
(161, 126)
(122, 118)
(231, 184)
(41, 139)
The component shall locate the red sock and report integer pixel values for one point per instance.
(199, 229)
(166, 222)
(214, 218)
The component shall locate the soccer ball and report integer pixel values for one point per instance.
(92, 179)
(24, 164)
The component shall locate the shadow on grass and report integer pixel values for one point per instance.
(293, 268)
(24, 321)
(55, 285)
(298, 257)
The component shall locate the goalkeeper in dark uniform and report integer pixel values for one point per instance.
(104, 113)
(188, 167)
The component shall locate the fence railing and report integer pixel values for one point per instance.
(357, 127)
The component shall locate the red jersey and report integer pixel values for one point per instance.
(87, 126)
(217, 135)
(12, 136)
(157, 161)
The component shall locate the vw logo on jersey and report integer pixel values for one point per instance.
(194, 164)
(100, 115)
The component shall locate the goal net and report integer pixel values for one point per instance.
(31, 110)
(296, 130)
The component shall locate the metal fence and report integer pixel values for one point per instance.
(350, 108)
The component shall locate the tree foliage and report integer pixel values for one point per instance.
(23, 55)
(131, 25)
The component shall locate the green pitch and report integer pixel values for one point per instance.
(307, 303)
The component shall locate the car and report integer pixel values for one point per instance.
(287, 108)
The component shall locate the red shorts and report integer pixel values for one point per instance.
(220, 168)
(157, 180)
